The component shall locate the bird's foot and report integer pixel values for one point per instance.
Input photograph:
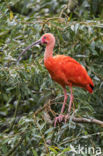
(66, 117)
(59, 118)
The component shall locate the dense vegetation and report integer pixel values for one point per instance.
(29, 99)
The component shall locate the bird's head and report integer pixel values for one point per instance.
(47, 39)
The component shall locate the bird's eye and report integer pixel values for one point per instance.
(44, 37)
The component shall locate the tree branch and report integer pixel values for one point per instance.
(75, 119)
(85, 120)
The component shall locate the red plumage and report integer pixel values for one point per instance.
(68, 72)
(64, 70)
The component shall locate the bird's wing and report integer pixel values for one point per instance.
(74, 72)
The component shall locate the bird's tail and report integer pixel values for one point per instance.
(90, 86)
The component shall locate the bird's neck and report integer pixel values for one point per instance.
(48, 52)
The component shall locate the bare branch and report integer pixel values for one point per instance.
(85, 120)
(75, 119)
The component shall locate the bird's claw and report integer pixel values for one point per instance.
(58, 119)
(66, 117)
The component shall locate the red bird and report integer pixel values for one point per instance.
(64, 70)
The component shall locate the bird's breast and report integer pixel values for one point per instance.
(54, 68)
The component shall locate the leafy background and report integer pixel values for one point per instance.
(27, 89)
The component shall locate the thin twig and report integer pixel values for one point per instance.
(42, 108)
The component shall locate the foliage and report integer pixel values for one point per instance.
(27, 87)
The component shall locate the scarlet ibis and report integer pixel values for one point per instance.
(64, 70)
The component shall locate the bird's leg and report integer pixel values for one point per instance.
(61, 116)
(70, 104)
(65, 100)
(71, 100)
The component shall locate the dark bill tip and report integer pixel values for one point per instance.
(23, 52)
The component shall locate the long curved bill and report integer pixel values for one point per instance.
(24, 51)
